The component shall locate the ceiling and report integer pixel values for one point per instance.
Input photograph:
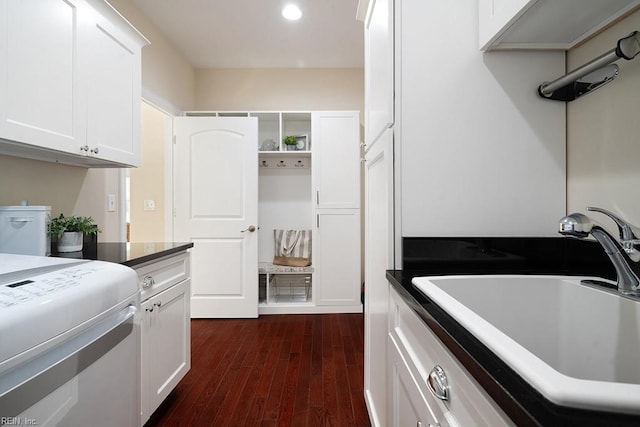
(253, 33)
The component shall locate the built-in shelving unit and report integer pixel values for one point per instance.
(284, 202)
(315, 187)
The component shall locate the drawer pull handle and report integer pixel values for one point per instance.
(148, 281)
(438, 384)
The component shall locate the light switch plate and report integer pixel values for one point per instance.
(149, 205)
(111, 203)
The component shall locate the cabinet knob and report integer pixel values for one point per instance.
(148, 281)
(438, 383)
(94, 150)
(84, 148)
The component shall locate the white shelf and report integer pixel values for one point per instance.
(285, 153)
(269, 268)
(285, 285)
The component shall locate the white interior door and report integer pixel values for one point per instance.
(216, 208)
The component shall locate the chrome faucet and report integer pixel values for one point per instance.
(624, 254)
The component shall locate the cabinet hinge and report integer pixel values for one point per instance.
(174, 139)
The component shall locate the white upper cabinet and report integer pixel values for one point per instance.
(39, 90)
(336, 159)
(545, 24)
(378, 69)
(70, 83)
(114, 93)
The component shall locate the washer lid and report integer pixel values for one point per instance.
(53, 296)
(13, 267)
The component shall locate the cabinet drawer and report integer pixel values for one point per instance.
(158, 275)
(468, 404)
(409, 406)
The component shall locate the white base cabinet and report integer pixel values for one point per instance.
(337, 251)
(408, 406)
(415, 352)
(165, 329)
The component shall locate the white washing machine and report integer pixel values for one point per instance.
(69, 343)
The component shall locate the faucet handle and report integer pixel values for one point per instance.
(628, 232)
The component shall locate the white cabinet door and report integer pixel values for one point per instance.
(216, 208)
(408, 407)
(40, 94)
(166, 345)
(378, 258)
(337, 252)
(336, 159)
(495, 16)
(378, 70)
(113, 67)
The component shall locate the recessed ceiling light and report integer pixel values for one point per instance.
(291, 12)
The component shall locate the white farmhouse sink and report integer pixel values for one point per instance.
(577, 345)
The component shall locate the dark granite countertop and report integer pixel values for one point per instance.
(520, 401)
(129, 254)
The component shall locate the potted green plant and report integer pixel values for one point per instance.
(70, 231)
(290, 142)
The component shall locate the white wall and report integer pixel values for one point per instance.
(481, 153)
(148, 181)
(278, 89)
(167, 76)
(604, 134)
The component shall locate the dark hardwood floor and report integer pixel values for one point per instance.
(274, 371)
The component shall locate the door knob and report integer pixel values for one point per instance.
(250, 229)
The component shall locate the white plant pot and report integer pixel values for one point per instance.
(71, 241)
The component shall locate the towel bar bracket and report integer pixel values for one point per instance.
(593, 74)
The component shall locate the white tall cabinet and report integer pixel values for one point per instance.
(70, 82)
(336, 160)
(466, 139)
(379, 70)
(378, 204)
(379, 256)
